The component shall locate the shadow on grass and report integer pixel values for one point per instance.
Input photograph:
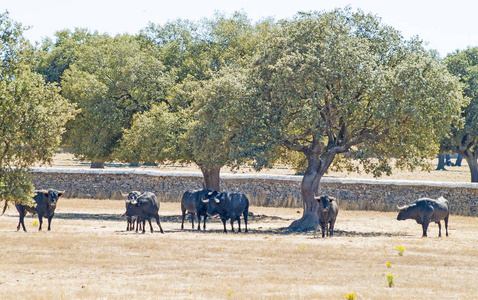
(216, 220)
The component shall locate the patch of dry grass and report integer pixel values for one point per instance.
(88, 254)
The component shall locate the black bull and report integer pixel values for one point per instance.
(45, 207)
(426, 210)
(229, 206)
(145, 207)
(192, 202)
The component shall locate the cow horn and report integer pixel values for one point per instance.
(217, 200)
(124, 195)
(205, 200)
(128, 201)
(401, 207)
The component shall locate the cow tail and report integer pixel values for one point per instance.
(4, 207)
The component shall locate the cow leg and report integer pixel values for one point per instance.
(322, 227)
(144, 225)
(425, 227)
(239, 224)
(150, 225)
(331, 227)
(204, 225)
(199, 221)
(232, 225)
(224, 223)
(21, 220)
(182, 223)
(159, 223)
(246, 213)
(40, 218)
(192, 220)
(49, 222)
(446, 225)
(439, 228)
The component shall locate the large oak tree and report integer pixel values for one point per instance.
(339, 85)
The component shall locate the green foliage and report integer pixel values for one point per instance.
(153, 136)
(32, 114)
(463, 137)
(55, 57)
(208, 59)
(340, 82)
(111, 80)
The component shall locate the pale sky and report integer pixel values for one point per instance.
(445, 25)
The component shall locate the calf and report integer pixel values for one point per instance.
(426, 210)
(327, 213)
(45, 207)
(144, 207)
(192, 202)
(229, 206)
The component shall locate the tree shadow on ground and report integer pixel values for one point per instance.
(252, 218)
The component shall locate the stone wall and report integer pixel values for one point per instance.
(262, 190)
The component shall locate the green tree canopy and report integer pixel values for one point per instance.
(342, 84)
(55, 57)
(32, 114)
(213, 54)
(111, 80)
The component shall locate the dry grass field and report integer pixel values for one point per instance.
(88, 254)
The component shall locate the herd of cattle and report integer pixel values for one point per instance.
(142, 207)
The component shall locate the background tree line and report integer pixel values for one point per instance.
(320, 90)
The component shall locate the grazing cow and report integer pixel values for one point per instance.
(426, 210)
(145, 207)
(192, 202)
(45, 207)
(229, 206)
(327, 213)
(131, 196)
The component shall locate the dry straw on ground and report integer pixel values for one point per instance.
(88, 254)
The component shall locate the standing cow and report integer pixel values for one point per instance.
(45, 207)
(426, 210)
(192, 202)
(131, 196)
(145, 207)
(229, 206)
(327, 213)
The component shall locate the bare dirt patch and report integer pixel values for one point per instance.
(88, 254)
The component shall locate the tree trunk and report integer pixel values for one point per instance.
(309, 186)
(473, 165)
(97, 165)
(458, 160)
(211, 178)
(441, 162)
